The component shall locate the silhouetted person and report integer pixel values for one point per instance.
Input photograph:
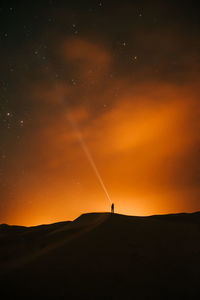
(112, 208)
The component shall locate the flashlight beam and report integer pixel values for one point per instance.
(88, 155)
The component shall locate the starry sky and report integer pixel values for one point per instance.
(127, 74)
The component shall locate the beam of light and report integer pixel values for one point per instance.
(88, 154)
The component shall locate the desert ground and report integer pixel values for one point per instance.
(103, 256)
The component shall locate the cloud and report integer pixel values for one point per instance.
(142, 135)
(55, 94)
(90, 61)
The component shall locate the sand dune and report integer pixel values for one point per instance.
(103, 256)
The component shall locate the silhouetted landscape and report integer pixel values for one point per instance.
(103, 256)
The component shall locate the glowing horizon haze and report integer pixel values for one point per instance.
(127, 75)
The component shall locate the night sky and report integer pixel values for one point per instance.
(127, 74)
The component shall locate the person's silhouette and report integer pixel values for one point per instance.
(112, 208)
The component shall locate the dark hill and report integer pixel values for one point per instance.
(103, 256)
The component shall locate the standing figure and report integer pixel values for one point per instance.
(112, 208)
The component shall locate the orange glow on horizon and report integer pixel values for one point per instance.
(142, 140)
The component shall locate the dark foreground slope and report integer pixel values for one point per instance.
(103, 256)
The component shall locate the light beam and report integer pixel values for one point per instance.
(88, 154)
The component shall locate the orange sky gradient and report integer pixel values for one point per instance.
(143, 136)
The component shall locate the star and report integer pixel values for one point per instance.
(73, 81)
(75, 28)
